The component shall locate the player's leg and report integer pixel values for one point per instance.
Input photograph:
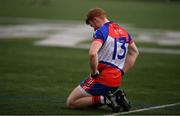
(78, 99)
(88, 93)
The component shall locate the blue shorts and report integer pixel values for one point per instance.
(95, 88)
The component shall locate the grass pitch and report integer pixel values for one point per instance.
(37, 80)
(141, 13)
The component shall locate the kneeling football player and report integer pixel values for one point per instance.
(112, 53)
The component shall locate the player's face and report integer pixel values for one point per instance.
(93, 25)
(96, 23)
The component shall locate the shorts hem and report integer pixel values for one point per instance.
(83, 91)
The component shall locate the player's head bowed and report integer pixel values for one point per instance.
(96, 17)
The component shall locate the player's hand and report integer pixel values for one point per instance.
(95, 75)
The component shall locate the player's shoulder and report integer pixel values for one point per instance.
(121, 29)
(123, 32)
(118, 26)
(102, 32)
(103, 29)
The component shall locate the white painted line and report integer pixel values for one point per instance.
(71, 33)
(150, 108)
(144, 50)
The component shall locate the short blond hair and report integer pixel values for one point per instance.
(95, 12)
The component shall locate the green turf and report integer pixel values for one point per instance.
(37, 80)
(150, 14)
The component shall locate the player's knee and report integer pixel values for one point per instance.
(70, 103)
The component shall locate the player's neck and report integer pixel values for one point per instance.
(105, 21)
(102, 22)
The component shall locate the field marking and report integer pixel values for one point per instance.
(143, 50)
(150, 108)
(57, 31)
(70, 33)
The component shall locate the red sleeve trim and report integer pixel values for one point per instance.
(100, 40)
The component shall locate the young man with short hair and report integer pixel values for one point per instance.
(112, 53)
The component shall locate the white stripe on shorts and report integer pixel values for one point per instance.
(83, 91)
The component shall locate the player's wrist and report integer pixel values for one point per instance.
(95, 74)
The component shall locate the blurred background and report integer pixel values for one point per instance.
(44, 46)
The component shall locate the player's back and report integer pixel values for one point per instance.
(115, 43)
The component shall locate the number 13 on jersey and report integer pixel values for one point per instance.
(119, 48)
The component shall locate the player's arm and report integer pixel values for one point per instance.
(132, 54)
(93, 56)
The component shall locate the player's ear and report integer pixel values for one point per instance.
(95, 20)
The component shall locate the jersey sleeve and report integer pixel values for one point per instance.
(130, 40)
(98, 36)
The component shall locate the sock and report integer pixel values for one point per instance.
(96, 100)
(100, 100)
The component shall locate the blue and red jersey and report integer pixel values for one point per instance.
(112, 54)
